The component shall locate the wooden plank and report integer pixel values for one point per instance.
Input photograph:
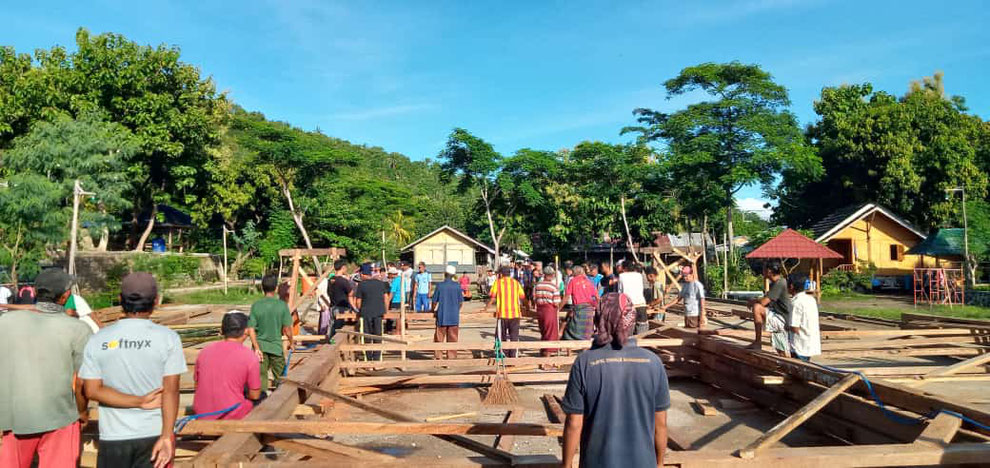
(556, 414)
(793, 421)
(704, 407)
(221, 427)
(487, 345)
(959, 366)
(940, 430)
(506, 442)
(279, 405)
(910, 316)
(448, 417)
(325, 449)
(902, 343)
(458, 363)
(889, 353)
(366, 336)
(462, 441)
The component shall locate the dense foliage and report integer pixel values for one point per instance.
(138, 127)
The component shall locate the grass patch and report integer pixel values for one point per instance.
(845, 296)
(894, 313)
(238, 295)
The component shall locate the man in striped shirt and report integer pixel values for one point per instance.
(546, 297)
(507, 295)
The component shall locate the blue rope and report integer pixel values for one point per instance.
(894, 416)
(180, 424)
(285, 370)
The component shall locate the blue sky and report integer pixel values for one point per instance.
(547, 75)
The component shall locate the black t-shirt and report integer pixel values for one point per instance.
(372, 294)
(610, 284)
(340, 288)
(780, 300)
(618, 391)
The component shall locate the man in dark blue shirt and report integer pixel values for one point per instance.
(447, 302)
(617, 397)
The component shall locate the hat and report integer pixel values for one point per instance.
(366, 268)
(54, 282)
(234, 323)
(393, 271)
(450, 270)
(139, 286)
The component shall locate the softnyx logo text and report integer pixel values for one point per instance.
(126, 344)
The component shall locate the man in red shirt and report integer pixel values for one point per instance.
(225, 370)
(583, 297)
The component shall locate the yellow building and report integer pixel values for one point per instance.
(867, 234)
(448, 246)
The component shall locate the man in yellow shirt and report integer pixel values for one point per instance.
(507, 295)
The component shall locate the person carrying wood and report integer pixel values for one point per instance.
(132, 368)
(42, 349)
(270, 320)
(617, 396)
(447, 303)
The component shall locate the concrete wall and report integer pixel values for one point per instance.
(92, 267)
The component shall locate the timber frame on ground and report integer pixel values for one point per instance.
(835, 404)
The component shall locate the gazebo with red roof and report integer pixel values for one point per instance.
(792, 244)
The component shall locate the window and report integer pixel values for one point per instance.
(896, 252)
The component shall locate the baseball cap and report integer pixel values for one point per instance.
(53, 281)
(139, 286)
(366, 268)
(393, 271)
(451, 269)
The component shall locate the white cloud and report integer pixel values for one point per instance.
(755, 205)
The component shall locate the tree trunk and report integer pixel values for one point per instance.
(629, 242)
(491, 227)
(728, 225)
(14, 252)
(704, 250)
(104, 239)
(298, 218)
(725, 267)
(147, 230)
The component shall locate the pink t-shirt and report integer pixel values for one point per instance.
(223, 370)
(581, 291)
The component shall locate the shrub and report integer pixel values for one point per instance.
(837, 281)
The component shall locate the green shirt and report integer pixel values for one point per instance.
(41, 353)
(268, 316)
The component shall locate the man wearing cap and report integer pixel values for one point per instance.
(371, 297)
(422, 288)
(225, 371)
(126, 366)
(395, 288)
(270, 320)
(42, 350)
(447, 302)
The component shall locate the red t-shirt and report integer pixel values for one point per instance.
(223, 370)
(465, 283)
(581, 291)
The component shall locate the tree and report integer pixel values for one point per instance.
(88, 150)
(477, 165)
(31, 219)
(900, 152)
(743, 135)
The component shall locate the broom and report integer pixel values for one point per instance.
(501, 392)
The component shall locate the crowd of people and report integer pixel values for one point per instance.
(132, 367)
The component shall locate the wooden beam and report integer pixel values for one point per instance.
(366, 336)
(325, 449)
(462, 441)
(959, 366)
(458, 363)
(793, 421)
(221, 427)
(487, 345)
(476, 379)
(889, 353)
(556, 414)
(333, 252)
(940, 430)
(506, 442)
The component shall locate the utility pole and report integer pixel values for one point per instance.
(968, 273)
(225, 231)
(77, 192)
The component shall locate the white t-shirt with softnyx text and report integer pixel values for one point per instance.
(132, 356)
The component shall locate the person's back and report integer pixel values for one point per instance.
(618, 390)
(131, 356)
(5, 294)
(224, 370)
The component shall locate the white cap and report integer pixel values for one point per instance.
(451, 269)
(393, 271)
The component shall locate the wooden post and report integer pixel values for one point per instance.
(793, 421)
(225, 276)
(293, 280)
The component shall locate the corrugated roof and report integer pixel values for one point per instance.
(455, 232)
(945, 243)
(791, 244)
